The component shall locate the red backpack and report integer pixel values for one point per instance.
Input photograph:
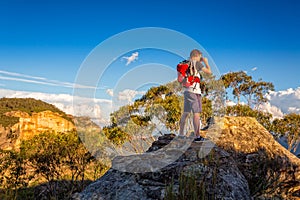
(184, 76)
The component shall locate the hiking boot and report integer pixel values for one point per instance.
(199, 139)
(181, 136)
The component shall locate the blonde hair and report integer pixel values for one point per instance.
(194, 53)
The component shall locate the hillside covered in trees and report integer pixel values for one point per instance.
(28, 105)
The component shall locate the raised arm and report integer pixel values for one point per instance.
(206, 69)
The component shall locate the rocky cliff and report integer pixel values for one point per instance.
(240, 160)
(30, 125)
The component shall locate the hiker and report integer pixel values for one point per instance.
(190, 78)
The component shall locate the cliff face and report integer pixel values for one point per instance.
(243, 162)
(31, 125)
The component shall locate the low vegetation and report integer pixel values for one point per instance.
(55, 164)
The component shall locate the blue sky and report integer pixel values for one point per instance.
(49, 40)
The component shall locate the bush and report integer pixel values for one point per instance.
(245, 111)
(59, 161)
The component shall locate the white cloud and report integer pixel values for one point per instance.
(280, 103)
(27, 80)
(294, 110)
(287, 100)
(275, 111)
(110, 92)
(12, 76)
(21, 75)
(128, 95)
(229, 103)
(283, 102)
(134, 56)
(97, 109)
(254, 69)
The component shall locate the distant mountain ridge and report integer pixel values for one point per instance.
(27, 105)
(22, 118)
